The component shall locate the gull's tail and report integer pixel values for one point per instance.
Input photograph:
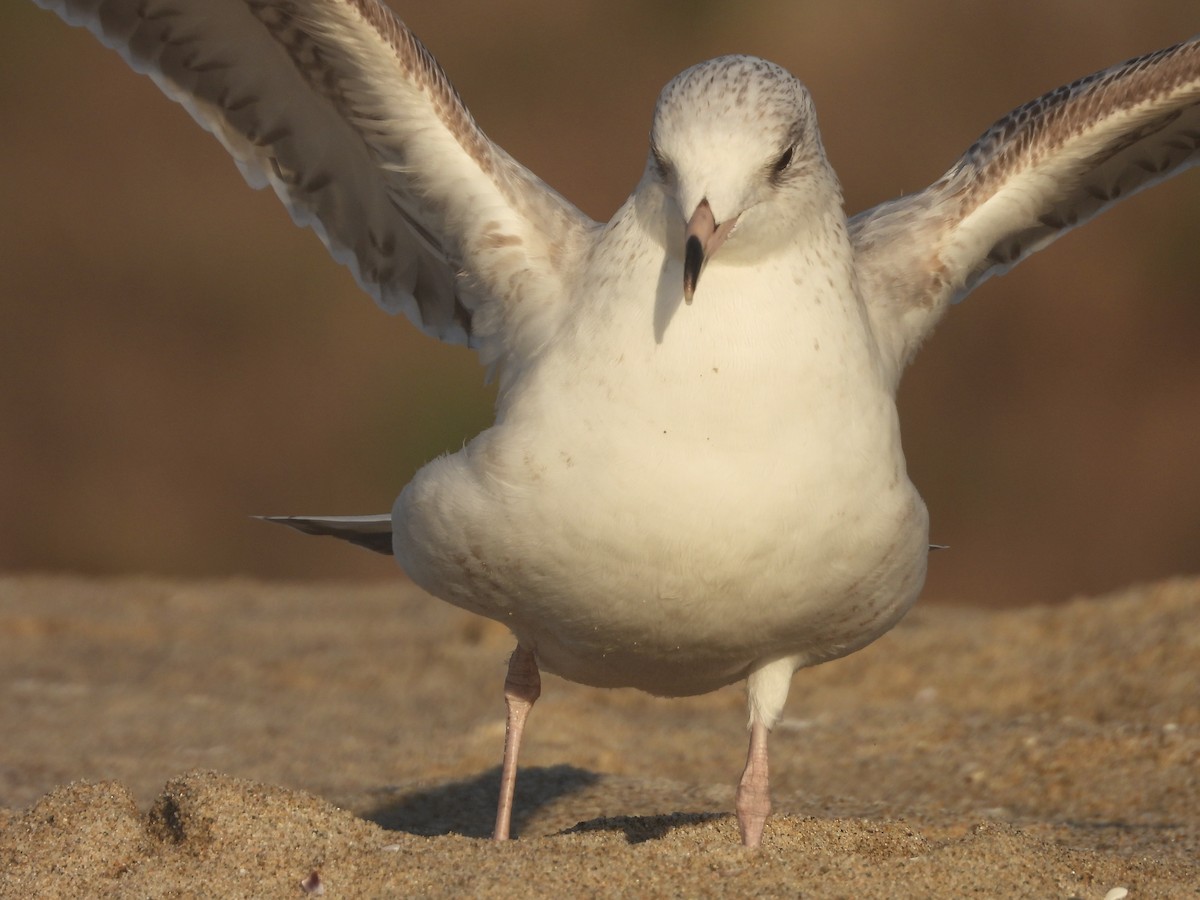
(372, 532)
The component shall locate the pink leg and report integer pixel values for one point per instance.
(753, 795)
(521, 689)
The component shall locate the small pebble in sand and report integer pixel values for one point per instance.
(312, 884)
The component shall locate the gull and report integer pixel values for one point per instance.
(695, 474)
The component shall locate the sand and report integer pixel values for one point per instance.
(249, 739)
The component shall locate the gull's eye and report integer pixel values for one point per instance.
(785, 159)
(661, 167)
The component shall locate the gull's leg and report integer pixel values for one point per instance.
(753, 793)
(522, 687)
(766, 691)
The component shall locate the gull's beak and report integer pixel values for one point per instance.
(704, 235)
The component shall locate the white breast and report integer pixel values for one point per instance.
(662, 512)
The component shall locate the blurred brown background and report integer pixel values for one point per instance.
(176, 356)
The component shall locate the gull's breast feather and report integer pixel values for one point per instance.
(661, 514)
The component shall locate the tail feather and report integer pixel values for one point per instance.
(372, 532)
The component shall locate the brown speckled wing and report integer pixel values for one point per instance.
(345, 114)
(1046, 167)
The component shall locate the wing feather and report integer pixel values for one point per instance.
(1043, 169)
(347, 116)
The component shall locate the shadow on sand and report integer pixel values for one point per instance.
(643, 828)
(468, 807)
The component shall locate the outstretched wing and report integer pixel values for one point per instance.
(345, 114)
(1044, 168)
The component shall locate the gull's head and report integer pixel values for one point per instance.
(735, 147)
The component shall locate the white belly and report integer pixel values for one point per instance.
(618, 581)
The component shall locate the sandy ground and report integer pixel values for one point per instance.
(192, 739)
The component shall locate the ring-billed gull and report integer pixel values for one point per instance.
(695, 476)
